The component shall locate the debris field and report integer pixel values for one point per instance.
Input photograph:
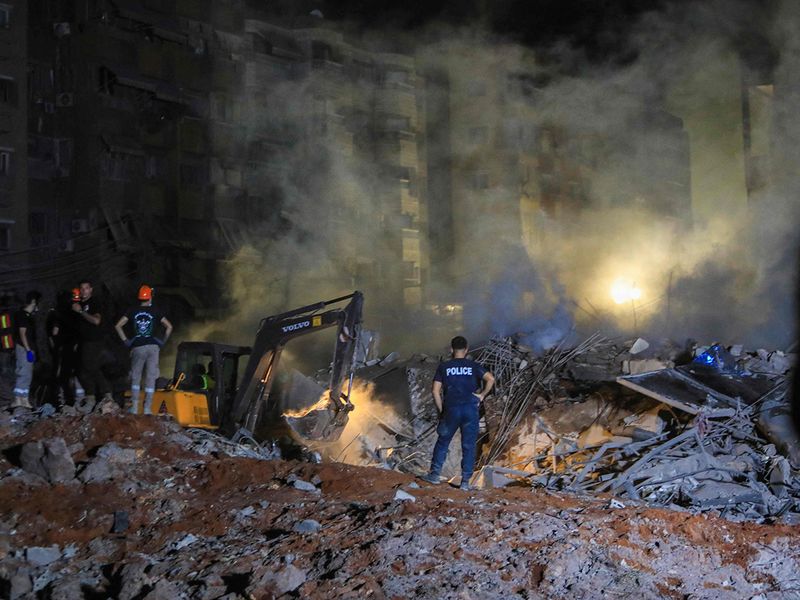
(110, 505)
(608, 469)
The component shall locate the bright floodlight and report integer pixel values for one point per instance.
(624, 291)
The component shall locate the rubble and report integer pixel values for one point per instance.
(684, 486)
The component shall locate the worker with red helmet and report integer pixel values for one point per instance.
(145, 346)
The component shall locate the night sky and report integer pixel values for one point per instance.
(596, 26)
(598, 29)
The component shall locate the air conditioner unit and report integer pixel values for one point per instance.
(66, 246)
(80, 226)
(64, 99)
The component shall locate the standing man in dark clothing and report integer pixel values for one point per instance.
(465, 384)
(62, 335)
(25, 349)
(90, 336)
(144, 347)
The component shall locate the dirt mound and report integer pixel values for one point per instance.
(152, 512)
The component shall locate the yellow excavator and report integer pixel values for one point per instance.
(214, 387)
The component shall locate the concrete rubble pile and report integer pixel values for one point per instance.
(112, 505)
(712, 434)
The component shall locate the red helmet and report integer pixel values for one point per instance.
(145, 293)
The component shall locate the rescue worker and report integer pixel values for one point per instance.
(91, 349)
(465, 384)
(25, 348)
(145, 347)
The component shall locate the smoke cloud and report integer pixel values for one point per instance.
(714, 261)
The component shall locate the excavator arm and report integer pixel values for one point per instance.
(326, 420)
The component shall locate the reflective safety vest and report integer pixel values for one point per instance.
(6, 331)
(208, 382)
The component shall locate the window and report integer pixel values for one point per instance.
(194, 174)
(155, 167)
(8, 90)
(5, 16)
(398, 124)
(401, 78)
(105, 81)
(5, 235)
(121, 166)
(321, 51)
(37, 227)
(260, 44)
(5, 162)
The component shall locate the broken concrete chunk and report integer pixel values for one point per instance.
(121, 522)
(639, 345)
(20, 585)
(47, 410)
(30, 457)
(57, 461)
(50, 459)
(403, 496)
(307, 526)
(187, 540)
(133, 579)
(42, 556)
(117, 455)
(164, 590)
(285, 580)
(720, 494)
(107, 407)
(304, 486)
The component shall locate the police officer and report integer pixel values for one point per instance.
(465, 384)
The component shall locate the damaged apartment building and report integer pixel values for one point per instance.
(159, 145)
(164, 136)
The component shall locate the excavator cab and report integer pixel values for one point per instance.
(219, 386)
(204, 383)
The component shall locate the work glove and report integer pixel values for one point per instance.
(31, 356)
(128, 342)
(159, 341)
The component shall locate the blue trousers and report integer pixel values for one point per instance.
(459, 416)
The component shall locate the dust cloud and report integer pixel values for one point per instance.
(677, 193)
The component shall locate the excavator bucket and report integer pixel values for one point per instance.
(319, 425)
(309, 413)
